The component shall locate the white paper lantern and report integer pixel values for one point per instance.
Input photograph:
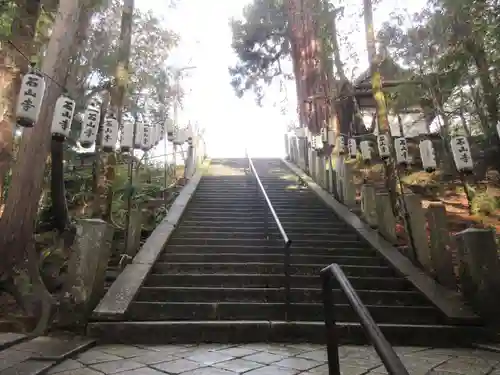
(146, 138)
(341, 147)
(461, 154)
(30, 99)
(170, 129)
(308, 136)
(127, 135)
(318, 142)
(189, 134)
(90, 125)
(352, 148)
(152, 136)
(384, 149)
(366, 152)
(109, 135)
(162, 131)
(62, 119)
(324, 135)
(427, 155)
(139, 134)
(401, 151)
(331, 137)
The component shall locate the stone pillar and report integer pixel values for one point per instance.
(287, 146)
(348, 185)
(439, 243)
(339, 169)
(385, 217)
(416, 227)
(134, 232)
(88, 263)
(368, 205)
(313, 165)
(479, 270)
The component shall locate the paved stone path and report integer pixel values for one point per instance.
(270, 359)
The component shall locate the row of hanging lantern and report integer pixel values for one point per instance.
(459, 147)
(146, 136)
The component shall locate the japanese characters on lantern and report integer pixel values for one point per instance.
(162, 131)
(352, 147)
(461, 154)
(62, 119)
(29, 101)
(127, 135)
(109, 132)
(366, 152)
(384, 150)
(146, 138)
(427, 155)
(139, 134)
(90, 125)
(324, 135)
(341, 147)
(401, 150)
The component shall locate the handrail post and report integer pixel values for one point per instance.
(332, 342)
(287, 281)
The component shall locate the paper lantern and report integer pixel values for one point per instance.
(162, 131)
(189, 134)
(90, 125)
(146, 138)
(170, 128)
(127, 135)
(331, 137)
(461, 154)
(427, 155)
(139, 134)
(366, 152)
(401, 151)
(308, 136)
(324, 135)
(341, 147)
(152, 135)
(62, 119)
(109, 136)
(29, 101)
(384, 149)
(352, 148)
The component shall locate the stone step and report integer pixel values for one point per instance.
(189, 332)
(259, 229)
(271, 258)
(204, 216)
(235, 204)
(196, 310)
(211, 294)
(258, 223)
(279, 249)
(307, 213)
(182, 232)
(263, 242)
(270, 281)
(265, 268)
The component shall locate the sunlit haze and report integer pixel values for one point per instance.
(232, 124)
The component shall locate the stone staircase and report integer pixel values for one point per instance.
(219, 280)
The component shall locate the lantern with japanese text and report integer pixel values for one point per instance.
(324, 135)
(62, 119)
(127, 134)
(308, 137)
(90, 125)
(427, 155)
(341, 145)
(162, 131)
(461, 154)
(366, 152)
(352, 148)
(146, 138)
(152, 135)
(29, 101)
(139, 133)
(170, 129)
(384, 149)
(109, 132)
(331, 137)
(401, 151)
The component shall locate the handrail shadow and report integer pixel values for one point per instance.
(389, 358)
(287, 242)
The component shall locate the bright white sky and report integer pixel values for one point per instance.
(232, 123)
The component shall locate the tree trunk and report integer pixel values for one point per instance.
(18, 221)
(12, 65)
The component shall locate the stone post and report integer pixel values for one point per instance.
(479, 270)
(339, 169)
(348, 185)
(313, 165)
(134, 232)
(385, 217)
(321, 171)
(88, 263)
(416, 227)
(287, 146)
(368, 205)
(439, 243)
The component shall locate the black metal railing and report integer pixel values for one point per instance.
(389, 358)
(287, 242)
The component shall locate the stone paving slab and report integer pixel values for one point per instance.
(270, 359)
(8, 339)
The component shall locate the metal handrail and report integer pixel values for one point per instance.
(287, 241)
(389, 358)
